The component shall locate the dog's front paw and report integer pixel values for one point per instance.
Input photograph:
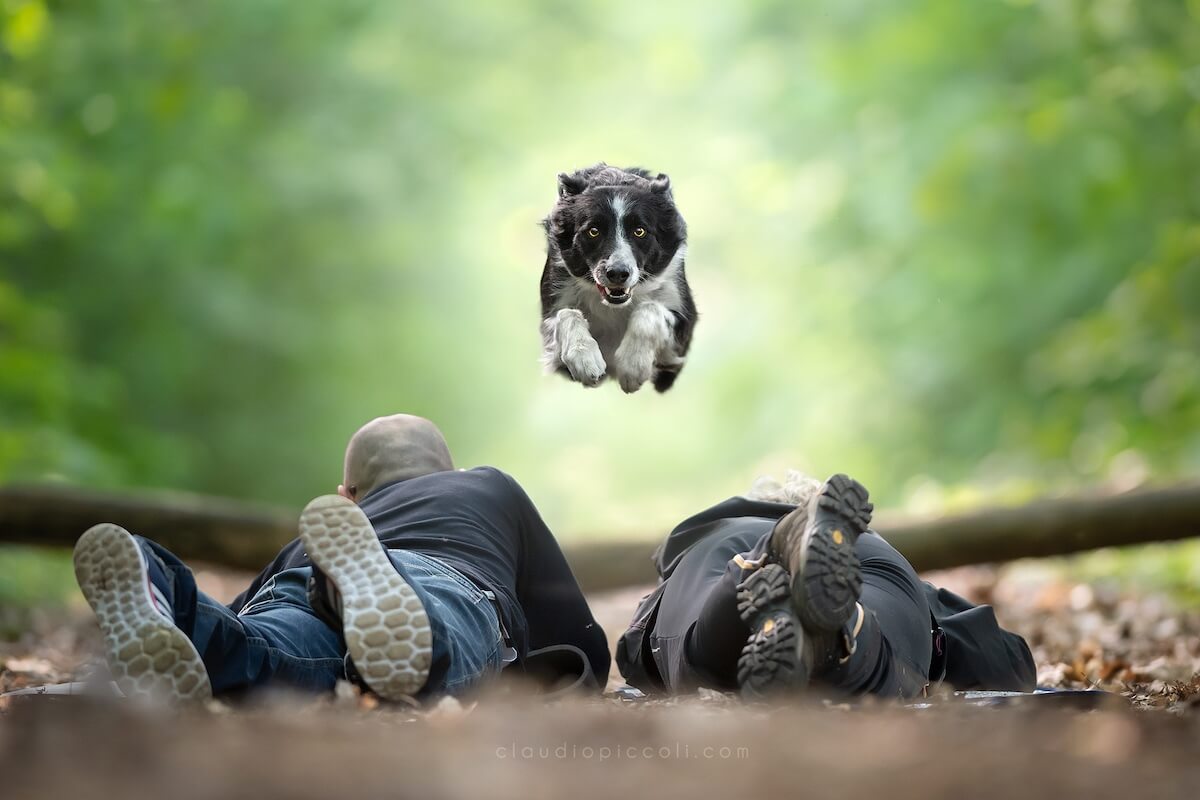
(648, 333)
(635, 366)
(585, 362)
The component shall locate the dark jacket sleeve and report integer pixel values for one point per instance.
(633, 657)
(979, 653)
(556, 612)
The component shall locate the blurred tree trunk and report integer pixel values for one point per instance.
(1047, 527)
(245, 536)
(211, 529)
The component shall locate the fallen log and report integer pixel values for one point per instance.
(1050, 527)
(246, 536)
(213, 529)
(232, 533)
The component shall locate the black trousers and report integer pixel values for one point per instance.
(698, 616)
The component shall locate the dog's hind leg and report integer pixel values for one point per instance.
(672, 356)
(667, 368)
(664, 378)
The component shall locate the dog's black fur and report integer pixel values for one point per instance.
(615, 297)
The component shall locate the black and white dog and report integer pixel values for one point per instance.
(615, 299)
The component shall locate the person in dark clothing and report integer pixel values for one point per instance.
(787, 588)
(416, 579)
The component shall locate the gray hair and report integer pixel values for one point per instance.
(797, 488)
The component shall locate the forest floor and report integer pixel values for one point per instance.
(1144, 741)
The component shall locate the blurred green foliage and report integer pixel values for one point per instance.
(1171, 568)
(950, 247)
(34, 583)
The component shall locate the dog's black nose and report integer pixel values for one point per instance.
(617, 275)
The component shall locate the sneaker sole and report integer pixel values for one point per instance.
(384, 623)
(147, 654)
(827, 576)
(770, 662)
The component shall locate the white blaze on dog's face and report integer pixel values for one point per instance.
(617, 272)
(622, 237)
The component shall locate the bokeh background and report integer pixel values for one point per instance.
(950, 247)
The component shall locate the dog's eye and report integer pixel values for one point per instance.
(593, 232)
(639, 232)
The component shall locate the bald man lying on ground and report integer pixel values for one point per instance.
(415, 580)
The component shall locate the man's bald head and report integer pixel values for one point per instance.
(390, 449)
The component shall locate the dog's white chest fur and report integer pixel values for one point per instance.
(592, 338)
(607, 324)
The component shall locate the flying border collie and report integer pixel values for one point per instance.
(615, 299)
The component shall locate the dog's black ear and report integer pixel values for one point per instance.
(661, 184)
(560, 225)
(570, 184)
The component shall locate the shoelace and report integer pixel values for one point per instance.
(850, 638)
(158, 600)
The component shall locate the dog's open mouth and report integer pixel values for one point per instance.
(614, 295)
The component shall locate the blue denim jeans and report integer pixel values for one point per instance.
(277, 640)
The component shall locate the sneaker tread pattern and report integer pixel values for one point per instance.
(387, 631)
(148, 656)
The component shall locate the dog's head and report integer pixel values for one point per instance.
(614, 228)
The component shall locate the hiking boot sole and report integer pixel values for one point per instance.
(826, 574)
(771, 661)
(146, 653)
(799, 600)
(385, 626)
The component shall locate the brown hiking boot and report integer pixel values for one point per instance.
(802, 605)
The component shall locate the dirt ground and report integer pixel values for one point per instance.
(1143, 742)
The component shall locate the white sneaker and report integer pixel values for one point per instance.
(387, 631)
(147, 654)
